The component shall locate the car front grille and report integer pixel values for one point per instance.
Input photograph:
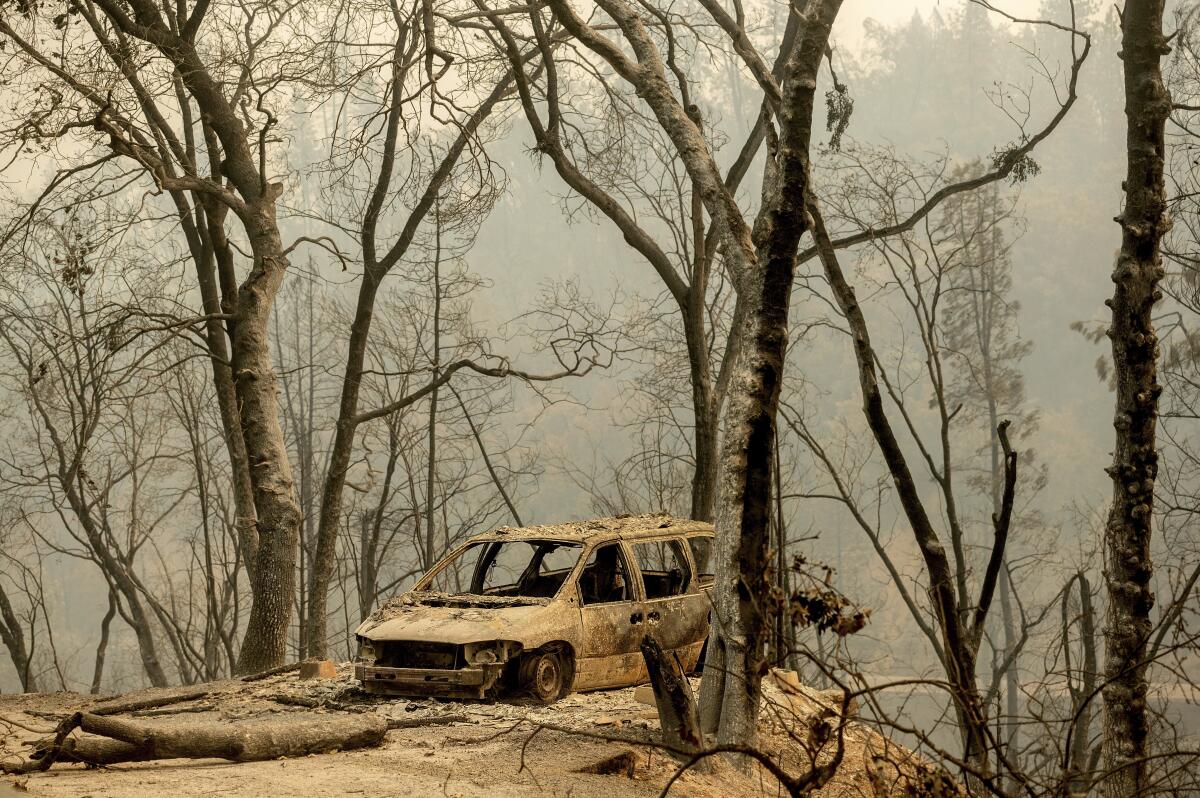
(414, 654)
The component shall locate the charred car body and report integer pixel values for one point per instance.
(545, 609)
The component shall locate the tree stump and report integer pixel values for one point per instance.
(677, 712)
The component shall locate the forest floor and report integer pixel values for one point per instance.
(448, 749)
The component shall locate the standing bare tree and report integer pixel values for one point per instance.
(960, 610)
(1135, 354)
(761, 262)
(986, 384)
(195, 123)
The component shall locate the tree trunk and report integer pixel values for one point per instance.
(375, 269)
(1012, 678)
(14, 640)
(1081, 760)
(214, 257)
(731, 689)
(1012, 675)
(339, 464)
(273, 583)
(102, 646)
(704, 411)
(246, 741)
(1135, 355)
(959, 652)
(435, 359)
(677, 715)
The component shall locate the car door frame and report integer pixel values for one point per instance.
(687, 612)
(620, 624)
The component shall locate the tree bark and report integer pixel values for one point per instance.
(1012, 678)
(102, 646)
(431, 433)
(214, 257)
(1135, 357)
(704, 409)
(1080, 759)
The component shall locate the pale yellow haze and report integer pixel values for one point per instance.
(848, 30)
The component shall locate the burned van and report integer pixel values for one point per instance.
(544, 610)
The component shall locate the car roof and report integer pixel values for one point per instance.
(622, 526)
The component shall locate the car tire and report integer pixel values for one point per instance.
(546, 674)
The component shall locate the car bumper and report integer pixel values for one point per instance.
(471, 681)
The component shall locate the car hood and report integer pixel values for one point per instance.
(442, 618)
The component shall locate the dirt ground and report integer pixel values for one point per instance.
(472, 749)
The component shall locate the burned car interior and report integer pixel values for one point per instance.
(664, 566)
(605, 578)
(544, 611)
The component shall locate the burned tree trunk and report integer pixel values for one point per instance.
(215, 275)
(704, 410)
(122, 740)
(961, 625)
(677, 712)
(741, 628)
(102, 646)
(1135, 357)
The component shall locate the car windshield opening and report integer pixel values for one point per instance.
(516, 568)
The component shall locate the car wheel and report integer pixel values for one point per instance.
(546, 674)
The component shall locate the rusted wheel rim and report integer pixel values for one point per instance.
(547, 676)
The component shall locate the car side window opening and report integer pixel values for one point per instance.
(605, 576)
(665, 570)
(524, 568)
(702, 555)
(456, 573)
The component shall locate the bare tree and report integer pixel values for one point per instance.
(161, 114)
(1135, 358)
(82, 388)
(411, 171)
(981, 334)
(960, 610)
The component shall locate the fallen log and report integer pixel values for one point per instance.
(121, 740)
(678, 716)
(161, 699)
(417, 723)
(174, 709)
(282, 669)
